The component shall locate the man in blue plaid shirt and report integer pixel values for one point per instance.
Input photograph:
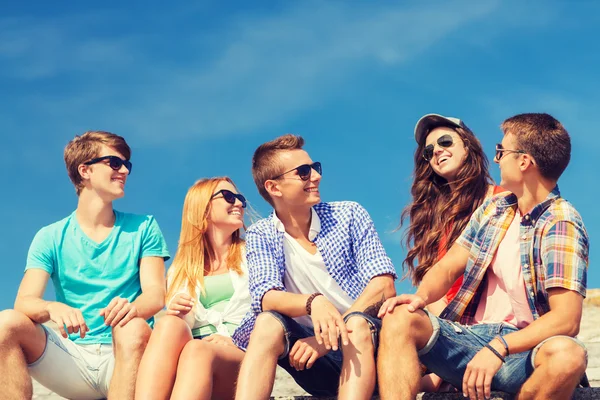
(314, 268)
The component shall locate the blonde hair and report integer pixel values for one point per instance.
(85, 147)
(195, 253)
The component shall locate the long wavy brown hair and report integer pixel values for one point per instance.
(436, 210)
(195, 253)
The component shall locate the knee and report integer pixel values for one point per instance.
(563, 357)
(398, 322)
(12, 323)
(170, 325)
(196, 351)
(359, 331)
(267, 329)
(133, 337)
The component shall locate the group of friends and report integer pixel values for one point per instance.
(500, 274)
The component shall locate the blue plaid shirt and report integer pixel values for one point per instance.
(348, 242)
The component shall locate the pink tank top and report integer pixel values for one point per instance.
(505, 299)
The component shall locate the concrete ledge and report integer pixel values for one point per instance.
(580, 394)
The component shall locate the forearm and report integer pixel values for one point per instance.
(548, 325)
(377, 290)
(436, 283)
(34, 308)
(290, 304)
(150, 302)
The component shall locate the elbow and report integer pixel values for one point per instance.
(160, 303)
(572, 329)
(267, 302)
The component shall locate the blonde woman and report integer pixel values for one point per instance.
(207, 298)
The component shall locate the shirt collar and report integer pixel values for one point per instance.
(315, 224)
(538, 210)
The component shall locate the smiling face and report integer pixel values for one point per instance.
(446, 161)
(290, 190)
(226, 216)
(101, 179)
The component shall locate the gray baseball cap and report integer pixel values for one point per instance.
(432, 121)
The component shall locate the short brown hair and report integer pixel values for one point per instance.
(264, 162)
(86, 147)
(544, 138)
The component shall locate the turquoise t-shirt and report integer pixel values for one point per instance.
(88, 275)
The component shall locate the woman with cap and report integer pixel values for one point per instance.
(451, 180)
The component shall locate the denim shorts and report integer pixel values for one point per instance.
(322, 379)
(452, 346)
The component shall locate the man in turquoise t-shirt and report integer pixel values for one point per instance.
(107, 268)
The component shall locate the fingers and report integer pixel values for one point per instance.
(83, 328)
(209, 339)
(114, 310)
(292, 356)
(465, 389)
(333, 337)
(106, 310)
(129, 316)
(317, 329)
(389, 305)
(71, 323)
(470, 385)
(121, 314)
(487, 386)
(305, 357)
(325, 334)
(311, 361)
(415, 304)
(180, 307)
(343, 332)
(61, 327)
(480, 392)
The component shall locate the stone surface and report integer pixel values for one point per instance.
(286, 388)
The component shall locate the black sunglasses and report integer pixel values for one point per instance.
(230, 197)
(113, 161)
(500, 152)
(444, 141)
(304, 171)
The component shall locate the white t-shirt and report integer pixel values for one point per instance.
(306, 273)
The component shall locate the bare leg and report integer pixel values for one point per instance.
(358, 377)
(257, 373)
(559, 365)
(156, 375)
(207, 371)
(402, 334)
(129, 344)
(21, 342)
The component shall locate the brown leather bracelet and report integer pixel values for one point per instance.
(310, 300)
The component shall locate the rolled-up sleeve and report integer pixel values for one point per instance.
(565, 255)
(263, 270)
(368, 250)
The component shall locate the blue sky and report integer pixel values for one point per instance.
(195, 88)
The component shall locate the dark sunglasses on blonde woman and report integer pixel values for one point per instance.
(230, 197)
(444, 141)
(304, 171)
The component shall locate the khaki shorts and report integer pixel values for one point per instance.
(74, 371)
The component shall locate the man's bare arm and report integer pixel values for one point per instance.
(564, 318)
(29, 297)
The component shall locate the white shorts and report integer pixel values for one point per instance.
(74, 371)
